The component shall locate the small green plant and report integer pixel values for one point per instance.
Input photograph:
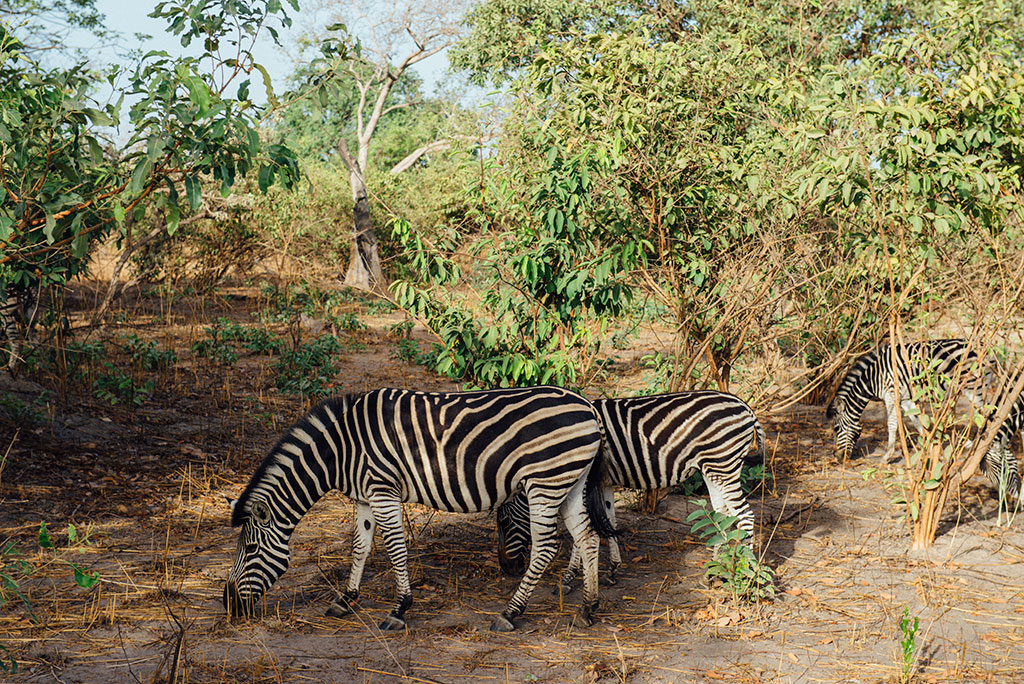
(18, 412)
(380, 306)
(734, 562)
(84, 577)
(309, 369)
(13, 569)
(146, 355)
(348, 321)
(217, 350)
(693, 485)
(752, 476)
(908, 647)
(117, 387)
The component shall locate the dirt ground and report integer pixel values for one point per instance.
(149, 484)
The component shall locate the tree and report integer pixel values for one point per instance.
(867, 154)
(63, 186)
(404, 35)
(43, 25)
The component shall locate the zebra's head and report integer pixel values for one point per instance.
(845, 428)
(262, 556)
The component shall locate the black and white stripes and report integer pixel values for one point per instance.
(654, 442)
(17, 314)
(461, 452)
(872, 377)
(999, 463)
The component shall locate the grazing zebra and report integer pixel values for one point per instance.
(999, 463)
(461, 452)
(654, 442)
(871, 377)
(17, 314)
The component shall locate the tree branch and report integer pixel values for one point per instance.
(413, 157)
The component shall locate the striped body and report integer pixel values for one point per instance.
(17, 314)
(872, 377)
(460, 452)
(999, 463)
(654, 442)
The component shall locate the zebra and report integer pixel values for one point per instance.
(653, 442)
(999, 463)
(871, 377)
(460, 451)
(17, 315)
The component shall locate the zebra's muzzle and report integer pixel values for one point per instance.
(236, 605)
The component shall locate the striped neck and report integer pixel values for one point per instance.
(300, 469)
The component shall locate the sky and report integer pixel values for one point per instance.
(129, 18)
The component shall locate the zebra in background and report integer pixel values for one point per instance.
(872, 377)
(999, 463)
(17, 315)
(654, 442)
(460, 452)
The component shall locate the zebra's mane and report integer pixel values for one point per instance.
(854, 377)
(279, 458)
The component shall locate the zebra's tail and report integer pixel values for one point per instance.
(757, 457)
(592, 497)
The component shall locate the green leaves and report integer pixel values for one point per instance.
(734, 562)
(547, 282)
(64, 189)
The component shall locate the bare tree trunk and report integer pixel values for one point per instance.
(364, 269)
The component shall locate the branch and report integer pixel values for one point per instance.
(401, 105)
(413, 157)
(436, 146)
(346, 156)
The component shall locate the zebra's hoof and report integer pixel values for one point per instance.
(609, 581)
(391, 623)
(584, 617)
(562, 589)
(502, 624)
(339, 608)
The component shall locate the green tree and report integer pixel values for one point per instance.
(63, 186)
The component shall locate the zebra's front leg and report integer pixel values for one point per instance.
(362, 542)
(388, 515)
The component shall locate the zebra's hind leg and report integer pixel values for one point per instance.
(615, 558)
(565, 584)
(362, 541)
(388, 514)
(728, 498)
(608, 497)
(543, 544)
(585, 540)
(892, 419)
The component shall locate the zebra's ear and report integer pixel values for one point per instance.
(231, 505)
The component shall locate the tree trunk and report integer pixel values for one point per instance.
(364, 269)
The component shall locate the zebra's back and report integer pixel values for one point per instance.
(457, 451)
(655, 441)
(872, 376)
